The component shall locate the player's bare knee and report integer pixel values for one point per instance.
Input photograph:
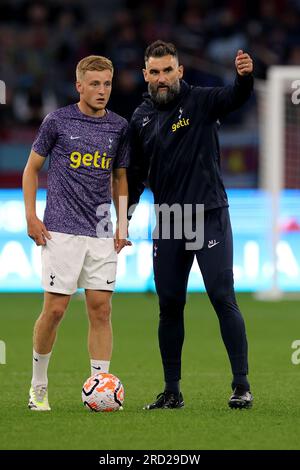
(54, 314)
(100, 312)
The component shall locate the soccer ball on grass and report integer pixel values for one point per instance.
(103, 392)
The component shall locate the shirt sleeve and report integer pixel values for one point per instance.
(46, 136)
(123, 152)
(220, 101)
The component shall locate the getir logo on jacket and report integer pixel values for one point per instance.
(181, 123)
(97, 160)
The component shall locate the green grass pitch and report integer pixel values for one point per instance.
(205, 423)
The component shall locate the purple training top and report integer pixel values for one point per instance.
(83, 152)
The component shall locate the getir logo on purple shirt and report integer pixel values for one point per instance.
(96, 160)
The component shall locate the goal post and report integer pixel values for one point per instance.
(279, 159)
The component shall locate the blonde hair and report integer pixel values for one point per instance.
(93, 62)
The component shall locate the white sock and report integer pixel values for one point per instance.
(99, 366)
(39, 368)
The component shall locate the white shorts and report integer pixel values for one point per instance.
(73, 261)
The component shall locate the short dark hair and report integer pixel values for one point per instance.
(160, 49)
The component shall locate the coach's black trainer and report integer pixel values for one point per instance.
(241, 398)
(166, 400)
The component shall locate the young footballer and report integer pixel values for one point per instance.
(87, 148)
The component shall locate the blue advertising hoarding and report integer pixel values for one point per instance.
(20, 266)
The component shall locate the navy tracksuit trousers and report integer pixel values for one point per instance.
(172, 264)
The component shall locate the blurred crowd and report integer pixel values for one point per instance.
(42, 41)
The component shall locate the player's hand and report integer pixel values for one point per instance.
(120, 243)
(37, 231)
(243, 63)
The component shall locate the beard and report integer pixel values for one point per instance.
(166, 96)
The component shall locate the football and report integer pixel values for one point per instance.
(103, 392)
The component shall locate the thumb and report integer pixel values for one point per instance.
(46, 233)
(240, 52)
(116, 244)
